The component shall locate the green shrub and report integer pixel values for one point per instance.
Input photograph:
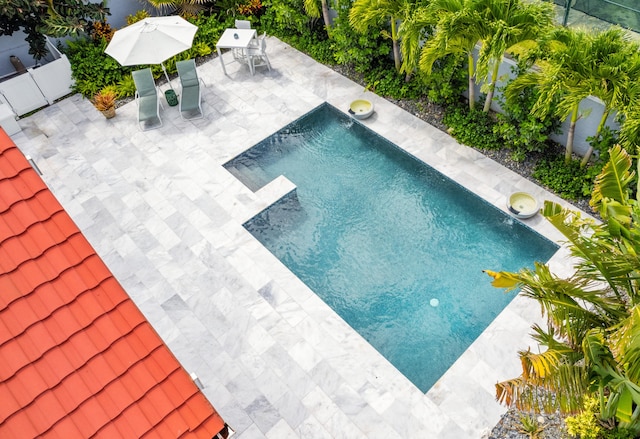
(91, 68)
(447, 80)
(521, 131)
(363, 51)
(569, 180)
(585, 424)
(604, 142)
(386, 81)
(472, 128)
(286, 18)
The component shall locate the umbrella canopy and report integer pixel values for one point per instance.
(151, 41)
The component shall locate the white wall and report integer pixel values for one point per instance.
(14, 45)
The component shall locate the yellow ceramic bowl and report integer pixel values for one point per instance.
(361, 108)
(522, 205)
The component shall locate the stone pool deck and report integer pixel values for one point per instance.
(274, 360)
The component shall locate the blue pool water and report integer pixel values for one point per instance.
(378, 234)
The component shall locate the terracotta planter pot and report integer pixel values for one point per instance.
(109, 112)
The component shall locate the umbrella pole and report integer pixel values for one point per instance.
(166, 76)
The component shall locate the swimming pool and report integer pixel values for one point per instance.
(393, 246)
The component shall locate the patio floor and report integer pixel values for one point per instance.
(274, 360)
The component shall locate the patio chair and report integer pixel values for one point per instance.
(190, 98)
(243, 24)
(147, 99)
(258, 55)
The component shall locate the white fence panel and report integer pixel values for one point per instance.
(22, 94)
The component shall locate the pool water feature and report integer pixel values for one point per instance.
(393, 246)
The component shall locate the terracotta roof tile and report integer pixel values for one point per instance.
(78, 357)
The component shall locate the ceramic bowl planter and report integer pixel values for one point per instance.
(522, 205)
(361, 109)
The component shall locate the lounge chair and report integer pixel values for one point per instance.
(190, 97)
(147, 99)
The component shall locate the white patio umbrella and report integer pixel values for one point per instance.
(152, 40)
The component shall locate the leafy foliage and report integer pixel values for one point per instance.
(569, 180)
(386, 81)
(57, 18)
(447, 80)
(362, 50)
(91, 68)
(522, 131)
(471, 127)
(585, 424)
(590, 348)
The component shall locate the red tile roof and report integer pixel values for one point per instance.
(77, 357)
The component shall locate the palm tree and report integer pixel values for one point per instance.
(459, 26)
(366, 13)
(591, 344)
(616, 68)
(414, 29)
(576, 64)
(511, 22)
(311, 8)
(184, 8)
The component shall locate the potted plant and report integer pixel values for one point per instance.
(105, 102)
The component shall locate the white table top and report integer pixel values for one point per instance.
(228, 40)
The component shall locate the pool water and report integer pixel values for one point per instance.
(393, 246)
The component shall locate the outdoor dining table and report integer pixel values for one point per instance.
(239, 39)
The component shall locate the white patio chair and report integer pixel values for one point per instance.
(257, 56)
(243, 24)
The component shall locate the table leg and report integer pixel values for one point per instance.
(249, 61)
(221, 61)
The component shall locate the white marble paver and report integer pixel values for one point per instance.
(166, 217)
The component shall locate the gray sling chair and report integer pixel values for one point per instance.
(147, 99)
(191, 95)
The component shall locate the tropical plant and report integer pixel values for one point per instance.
(591, 344)
(530, 426)
(574, 64)
(364, 51)
(184, 8)
(522, 131)
(139, 15)
(415, 28)
(458, 28)
(105, 99)
(311, 8)
(509, 23)
(57, 18)
(372, 13)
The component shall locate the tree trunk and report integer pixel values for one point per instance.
(492, 87)
(572, 130)
(325, 17)
(587, 155)
(472, 82)
(394, 40)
